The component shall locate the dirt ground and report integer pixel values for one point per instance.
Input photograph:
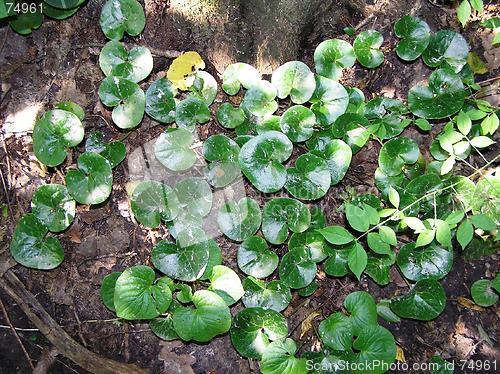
(60, 62)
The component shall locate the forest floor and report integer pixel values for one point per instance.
(59, 62)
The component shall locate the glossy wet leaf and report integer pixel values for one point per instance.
(237, 75)
(210, 317)
(226, 283)
(425, 301)
(446, 49)
(229, 116)
(261, 160)
(173, 149)
(367, 48)
(483, 294)
(93, 181)
(336, 264)
(282, 214)
(297, 269)
(255, 258)
(139, 296)
(357, 260)
(298, 123)
(337, 155)
(152, 201)
(53, 206)
(260, 100)
(384, 311)
(53, 133)
(443, 97)
(294, 79)
(429, 262)
(195, 196)
(333, 55)
(378, 267)
(204, 87)
(127, 99)
(134, 64)
(357, 217)
(122, 16)
(485, 197)
(72, 107)
(312, 242)
(308, 290)
(254, 328)
(190, 112)
(375, 344)
(352, 129)
(114, 152)
(279, 358)
(108, 289)
(362, 310)
(414, 34)
(336, 332)
(329, 100)
(163, 327)
(31, 247)
(273, 295)
(309, 179)
(222, 153)
(397, 153)
(160, 102)
(239, 220)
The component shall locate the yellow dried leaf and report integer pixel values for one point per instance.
(469, 304)
(181, 71)
(306, 324)
(400, 355)
(476, 64)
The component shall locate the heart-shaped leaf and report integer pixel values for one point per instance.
(443, 97)
(329, 101)
(414, 34)
(31, 248)
(239, 220)
(375, 344)
(446, 49)
(139, 296)
(387, 116)
(108, 290)
(282, 214)
(297, 270)
(114, 152)
(378, 267)
(72, 107)
(222, 154)
(127, 99)
(333, 55)
(260, 160)
(173, 149)
(209, 318)
(273, 295)
(204, 87)
(229, 116)
(337, 155)
(397, 153)
(152, 202)
(336, 265)
(53, 206)
(256, 259)
(294, 78)
(195, 196)
(362, 310)
(134, 65)
(254, 328)
(190, 112)
(353, 129)
(367, 48)
(429, 262)
(260, 100)
(92, 183)
(160, 102)
(120, 16)
(163, 327)
(483, 293)
(310, 178)
(424, 302)
(336, 332)
(279, 358)
(55, 131)
(298, 123)
(237, 75)
(312, 242)
(226, 283)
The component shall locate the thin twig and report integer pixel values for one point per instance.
(489, 80)
(19, 328)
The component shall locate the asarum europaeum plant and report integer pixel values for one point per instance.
(419, 198)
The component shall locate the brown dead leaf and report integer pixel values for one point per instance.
(467, 303)
(306, 324)
(73, 234)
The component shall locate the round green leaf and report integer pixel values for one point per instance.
(353, 129)
(53, 206)
(134, 65)
(239, 220)
(72, 107)
(222, 154)
(127, 99)
(31, 248)
(237, 75)
(378, 267)
(55, 131)
(160, 102)
(331, 56)
(114, 152)
(259, 99)
(298, 123)
(209, 318)
(362, 310)
(424, 302)
(336, 332)
(139, 296)
(120, 16)
(312, 242)
(92, 183)
(65, 4)
(375, 344)
(273, 295)
(190, 112)
(429, 262)
(255, 258)
(310, 178)
(108, 290)
(446, 49)
(337, 155)
(57, 13)
(260, 160)
(226, 283)
(185, 221)
(367, 48)
(279, 358)
(271, 123)
(294, 78)
(329, 101)
(254, 328)
(443, 97)
(336, 265)
(204, 87)
(229, 116)
(173, 149)
(195, 196)
(397, 153)
(281, 214)
(414, 34)
(152, 202)
(297, 269)
(483, 294)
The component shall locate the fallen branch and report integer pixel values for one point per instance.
(63, 343)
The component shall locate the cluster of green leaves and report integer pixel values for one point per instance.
(24, 16)
(465, 9)
(53, 206)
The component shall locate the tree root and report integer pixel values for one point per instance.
(63, 343)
